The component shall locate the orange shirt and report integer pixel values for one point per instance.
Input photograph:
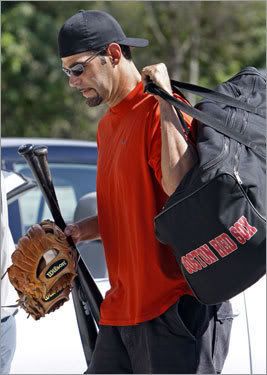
(144, 276)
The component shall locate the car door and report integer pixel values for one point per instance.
(247, 351)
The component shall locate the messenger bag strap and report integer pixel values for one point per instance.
(204, 117)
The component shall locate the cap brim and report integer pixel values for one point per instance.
(134, 42)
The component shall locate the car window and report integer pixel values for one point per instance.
(71, 181)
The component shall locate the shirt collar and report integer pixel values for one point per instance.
(129, 101)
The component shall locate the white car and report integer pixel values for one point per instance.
(52, 344)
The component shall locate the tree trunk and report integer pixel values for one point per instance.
(195, 49)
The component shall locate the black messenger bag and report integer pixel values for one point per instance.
(215, 220)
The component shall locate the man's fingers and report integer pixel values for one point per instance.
(145, 75)
(72, 230)
(68, 230)
(158, 74)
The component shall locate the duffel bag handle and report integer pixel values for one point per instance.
(204, 117)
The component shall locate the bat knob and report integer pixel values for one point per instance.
(40, 150)
(25, 149)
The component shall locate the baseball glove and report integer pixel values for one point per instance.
(43, 269)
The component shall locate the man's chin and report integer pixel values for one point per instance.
(94, 101)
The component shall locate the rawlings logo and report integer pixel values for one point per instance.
(222, 246)
(56, 268)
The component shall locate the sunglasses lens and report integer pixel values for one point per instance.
(77, 70)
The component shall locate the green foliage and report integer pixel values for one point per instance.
(36, 99)
(203, 42)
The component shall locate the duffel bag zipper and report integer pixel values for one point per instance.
(236, 165)
(237, 176)
(165, 209)
(220, 157)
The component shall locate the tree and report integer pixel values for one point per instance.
(200, 42)
(36, 100)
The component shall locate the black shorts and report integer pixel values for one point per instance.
(188, 338)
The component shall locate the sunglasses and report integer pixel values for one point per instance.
(79, 68)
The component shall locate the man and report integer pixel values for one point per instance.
(150, 322)
(8, 294)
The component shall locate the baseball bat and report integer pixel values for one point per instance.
(41, 152)
(27, 152)
(36, 158)
(44, 181)
(90, 288)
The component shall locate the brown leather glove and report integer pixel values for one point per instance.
(43, 269)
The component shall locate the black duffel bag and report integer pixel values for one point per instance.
(215, 220)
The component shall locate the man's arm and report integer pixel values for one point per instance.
(86, 229)
(177, 158)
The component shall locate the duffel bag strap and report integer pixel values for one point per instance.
(216, 96)
(203, 117)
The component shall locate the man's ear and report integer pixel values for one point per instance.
(114, 53)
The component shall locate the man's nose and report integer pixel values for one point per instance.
(74, 81)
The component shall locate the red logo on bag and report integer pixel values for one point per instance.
(242, 231)
(202, 257)
(223, 244)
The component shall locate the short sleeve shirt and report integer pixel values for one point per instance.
(144, 276)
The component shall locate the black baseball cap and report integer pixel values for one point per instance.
(92, 30)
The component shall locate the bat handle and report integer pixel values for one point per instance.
(41, 152)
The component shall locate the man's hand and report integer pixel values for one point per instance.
(83, 230)
(158, 74)
(74, 232)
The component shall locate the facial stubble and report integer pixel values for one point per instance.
(97, 100)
